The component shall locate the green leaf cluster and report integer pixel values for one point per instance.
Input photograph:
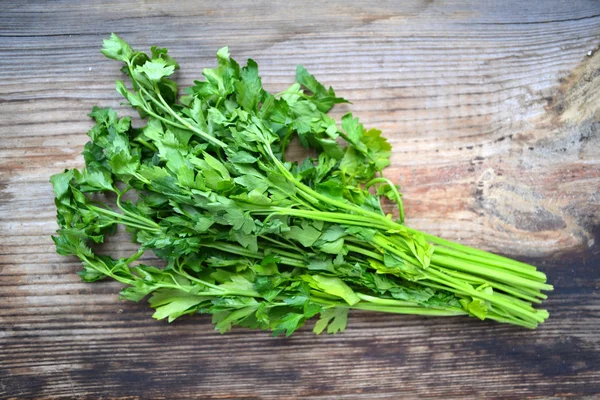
(249, 237)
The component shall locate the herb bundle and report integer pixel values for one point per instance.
(249, 237)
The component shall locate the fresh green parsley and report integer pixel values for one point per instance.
(249, 237)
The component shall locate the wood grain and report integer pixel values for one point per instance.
(494, 115)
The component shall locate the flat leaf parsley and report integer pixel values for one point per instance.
(249, 237)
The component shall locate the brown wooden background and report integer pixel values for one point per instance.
(493, 111)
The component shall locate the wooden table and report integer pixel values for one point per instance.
(493, 111)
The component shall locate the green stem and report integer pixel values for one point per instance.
(471, 250)
(149, 146)
(513, 321)
(312, 195)
(200, 281)
(364, 252)
(101, 267)
(385, 302)
(515, 292)
(491, 274)
(448, 280)
(516, 309)
(165, 120)
(395, 192)
(135, 256)
(134, 225)
(238, 250)
(129, 217)
(278, 243)
(190, 127)
(409, 310)
(166, 108)
(339, 218)
(532, 272)
(290, 256)
(469, 265)
(517, 281)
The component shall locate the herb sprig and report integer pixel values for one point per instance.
(254, 239)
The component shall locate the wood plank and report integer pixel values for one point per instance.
(494, 114)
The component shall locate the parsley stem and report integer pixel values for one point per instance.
(385, 302)
(134, 225)
(101, 267)
(396, 194)
(186, 125)
(165, 120)
(166, 108)
(470, 267)
(135, 256)
(492, 274)
(409, 310)
(468, 261)
(506, 288)
(149, 146)
(233, 249)
(138, 219)
(311, 194)
(200, 281)
(349, 219)
(477, 268)
(278, 243)
(362, 251)
(494, 262)
(471, 250)
(514, 321)
(289, 255)
(444, 278)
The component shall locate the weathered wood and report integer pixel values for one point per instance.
(494, 114)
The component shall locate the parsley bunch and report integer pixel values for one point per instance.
(249, 237)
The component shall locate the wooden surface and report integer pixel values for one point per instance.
(493, 111)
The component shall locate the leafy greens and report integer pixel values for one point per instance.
(251, 238)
